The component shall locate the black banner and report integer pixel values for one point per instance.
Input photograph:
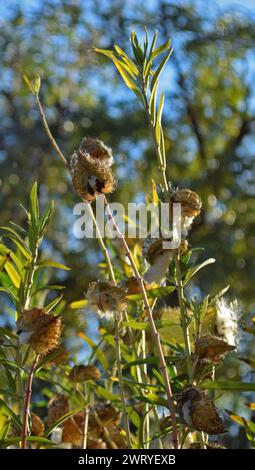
(122, 458)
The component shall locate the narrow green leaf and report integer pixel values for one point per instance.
(37, 85)
(77, 304)
(46, 219)
(49, 307)
(52, 264)
(29, 84)
(159, 70)
(12, 273)
(158, 119)
(192, 271)
(8, 333)
(131, 65)
(34, 209)
(63, 418)
(228, 385)
(153, 400)
(102, 392)
(105, 52)
(127, 79)
(159, 50)
(11, 364)
(6, 409)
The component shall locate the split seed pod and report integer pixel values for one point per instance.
(212, 348)
(37, 426)
(39, 329)
(97, 150)
(104, 298)
(199, 412)
(191, 206)
(73, 429)
(159, 258)
(58, 407)
(82, 373)
(91, 177)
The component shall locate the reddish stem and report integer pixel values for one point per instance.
(27, 402)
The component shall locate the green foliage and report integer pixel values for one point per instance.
(207, 128)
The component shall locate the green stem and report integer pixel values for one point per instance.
(121, 385)
(183, 317)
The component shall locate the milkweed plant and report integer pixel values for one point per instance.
(150, 381)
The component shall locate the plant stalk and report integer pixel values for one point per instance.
(121, 385)
(184, 325)
(107, 258)
(27, 402)
(154, 331)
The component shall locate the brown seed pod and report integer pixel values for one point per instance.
(159, 257)
(96, 150)
(58, 407)
(131, 286)
(153, 247)
(91, 177)
(190, 201)
(199, 412)
(39, 329)
(212, 348)
(73, 429)
(190, 207)
(37, 426)
(107, 414)
(104, 298)
(82, 373)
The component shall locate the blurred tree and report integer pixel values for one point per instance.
(209, 120)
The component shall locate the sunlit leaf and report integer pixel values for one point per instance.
(192, 271)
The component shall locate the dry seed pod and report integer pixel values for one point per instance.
(191, 206)
(199, 412)
(104, 298)
(107, 413)
(82, 373)
(37, 425)
(131, 286)
(39, 329)
(190, 201)
(159, 257)
(58, 407)
(212, 348)
(91, 177)
(97, 150)
(153, 248)
(73, 429)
